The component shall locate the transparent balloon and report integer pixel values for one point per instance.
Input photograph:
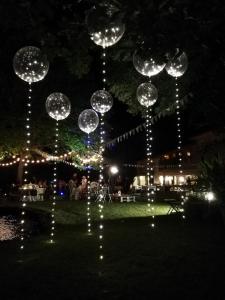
(105, 26)
(101, 101)
(88, 120)
(148, 63)
(147, 94)
(30, 64)
(58, 106)
(177, 66)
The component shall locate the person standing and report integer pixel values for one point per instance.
(71, 185)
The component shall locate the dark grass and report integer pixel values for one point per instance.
(178, 259)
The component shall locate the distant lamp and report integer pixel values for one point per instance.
(210, 196)
(114, 170)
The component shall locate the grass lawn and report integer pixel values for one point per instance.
(178, 259)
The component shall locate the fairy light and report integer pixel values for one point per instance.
(52, 231)
(27, 151)
(179, 139)
(84, 160)
(88, 190)
(150, 165)
(100, 198)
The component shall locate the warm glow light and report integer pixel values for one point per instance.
(210, 196)
(114, 170)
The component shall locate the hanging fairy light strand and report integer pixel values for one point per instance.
(147, 63)
(179, 140)
(88, 121)
(30, 65)
(88, 189)
(101, 101)
(27, 152)
(150, 165)
(176, 67)
(147, 95)
(105, 29)
(58, 108)
(52, 231)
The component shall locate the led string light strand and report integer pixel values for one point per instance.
(101, 192)
(179, 140)
(101, 195)
(88, 189)
(104, 68)
(150, 165)
(52, 231)
(27, 151)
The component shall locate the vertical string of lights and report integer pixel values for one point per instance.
(147, 64)
(104, 34)
(176, 67)
(88, 188)
(150, 165)
(101, 200)
(179, 140)
(147, 95)
(52, 231)
(30, 65)
(27, 151)
(58, 108)
(88, 121)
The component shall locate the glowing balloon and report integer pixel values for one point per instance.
(101, 101)
(30, 64)
(105, 27)
(58, 106)
(147, 63)
(177, 66)
(147, 94)
(88, 120)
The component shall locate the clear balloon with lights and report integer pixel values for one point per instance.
(88, 120)
(30, 64)
(106, 28)
(178, 65)
(147, 94)
(58, 106)
(101, 101)
(147, 62)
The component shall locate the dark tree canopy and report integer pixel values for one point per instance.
(59, 28)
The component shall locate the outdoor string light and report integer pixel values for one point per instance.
(105, 30)
(88, 121)
(176, 67)
(30, 65)
(58, 108)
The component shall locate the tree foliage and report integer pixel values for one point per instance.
(59, 27)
